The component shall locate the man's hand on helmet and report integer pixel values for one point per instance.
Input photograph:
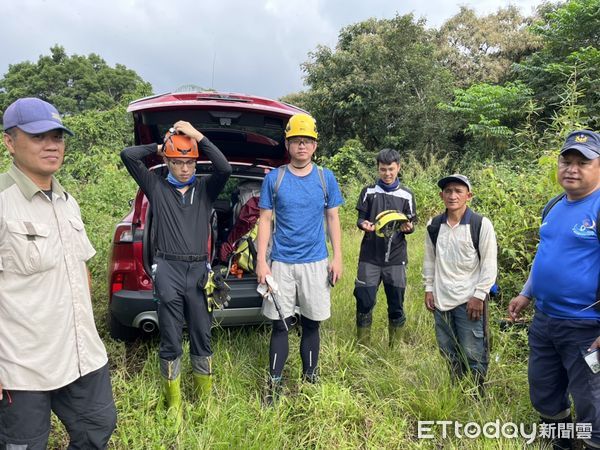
(367, 226)
(407, 227)
(188, 129)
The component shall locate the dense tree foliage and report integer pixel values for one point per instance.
(381, 84)
(488, 114)
(570, 35)
(483, 48)
(72, 83)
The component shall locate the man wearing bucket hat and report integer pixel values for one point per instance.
(51, 357)
(459, 269)
(386, 213)
(564, 336)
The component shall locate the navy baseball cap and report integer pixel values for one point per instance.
(454, 178)
(33, 116)
(585, 142)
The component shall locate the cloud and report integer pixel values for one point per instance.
(254, 46)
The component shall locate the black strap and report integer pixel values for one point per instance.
(252, 250)
(473, 219)
(475, 226)
(434, 229)
(176, 257)
(553, 201)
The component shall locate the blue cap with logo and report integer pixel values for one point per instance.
(585, 142)
(33, 116)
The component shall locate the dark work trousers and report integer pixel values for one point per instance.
(179, 288)
(368, 278)
(85, 407)
(557, 368)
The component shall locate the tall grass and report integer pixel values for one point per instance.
(367, 398)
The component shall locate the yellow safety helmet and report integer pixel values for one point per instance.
(388, 217)
(301, 124)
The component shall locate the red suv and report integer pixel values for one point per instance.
(250, 132)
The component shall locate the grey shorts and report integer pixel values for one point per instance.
(370, 275)
(304, 285)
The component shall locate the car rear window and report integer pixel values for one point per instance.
(238, 134)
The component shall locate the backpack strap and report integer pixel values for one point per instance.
(434, 229)
(280, 173)
(553, 201)
(475, 221)
(323, 186)
(281, 170)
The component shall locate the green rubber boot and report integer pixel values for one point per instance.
(202, 385)
(363, 336)
(172, 396)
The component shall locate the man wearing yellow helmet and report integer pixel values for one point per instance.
(459, 269)
(386, 212)
(297, 197)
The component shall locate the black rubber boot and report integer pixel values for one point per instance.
(559, 443)
(363, 329)
(273, 391)
(363, 336)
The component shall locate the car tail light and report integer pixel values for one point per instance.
(116, 283)
(123, 234)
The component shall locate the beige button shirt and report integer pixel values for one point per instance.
(48, 337)
(455, 273)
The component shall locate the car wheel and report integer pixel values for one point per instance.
(121, 332)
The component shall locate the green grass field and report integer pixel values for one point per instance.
(367, 398)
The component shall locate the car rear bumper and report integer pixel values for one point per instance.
(135, 308)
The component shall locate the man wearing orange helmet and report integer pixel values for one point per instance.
(298, 197)
(181, 205)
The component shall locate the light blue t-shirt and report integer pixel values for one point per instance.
(566, 267)
(299, 235)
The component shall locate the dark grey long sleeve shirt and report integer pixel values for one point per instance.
(181, 221)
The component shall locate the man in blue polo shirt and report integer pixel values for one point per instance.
(564, 282)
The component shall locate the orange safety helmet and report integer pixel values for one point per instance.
(179, 145)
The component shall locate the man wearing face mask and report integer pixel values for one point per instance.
(181, 205)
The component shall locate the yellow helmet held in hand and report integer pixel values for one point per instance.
(390, 219)
(301, 124)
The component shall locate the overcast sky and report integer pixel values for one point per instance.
(248, 46)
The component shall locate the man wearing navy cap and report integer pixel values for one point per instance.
(564, 281)
(51, 357)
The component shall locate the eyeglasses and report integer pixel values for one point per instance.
(301, 140)
(181, 163)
